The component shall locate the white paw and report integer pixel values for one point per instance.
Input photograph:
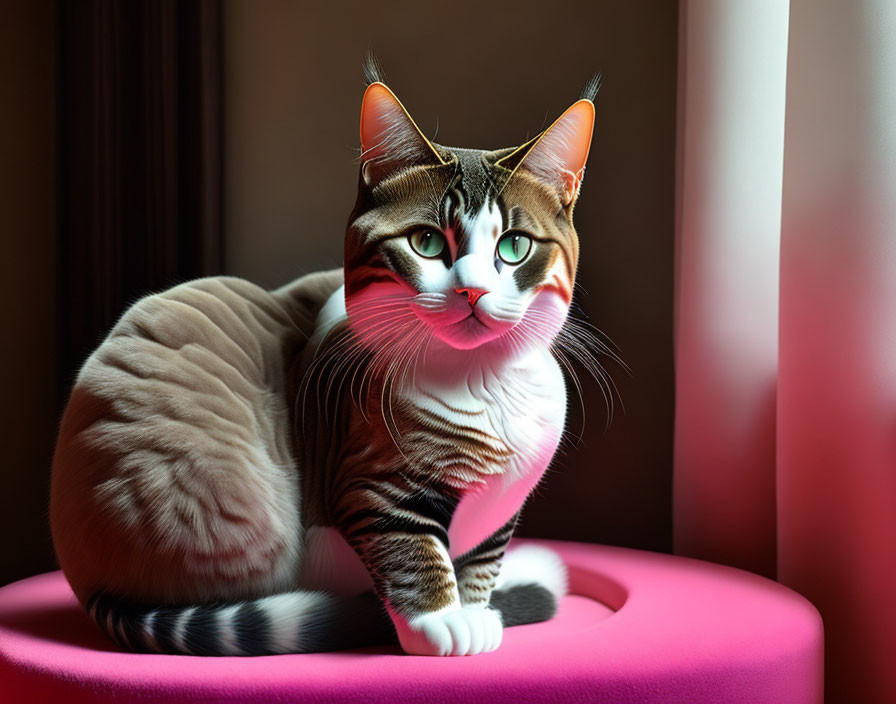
(456, 630)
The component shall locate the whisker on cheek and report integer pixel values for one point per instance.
(575, 342)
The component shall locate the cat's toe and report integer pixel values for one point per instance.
(425, 635)
(462, 636)
(489, 631)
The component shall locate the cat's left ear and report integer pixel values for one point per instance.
(390, 139)
(559, 154)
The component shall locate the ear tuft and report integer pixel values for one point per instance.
(591, 88)
(389, 137)
(373, 72)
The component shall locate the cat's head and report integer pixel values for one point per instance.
(463, 248)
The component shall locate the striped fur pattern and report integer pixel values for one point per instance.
(340, 462)
(309, 621)
(291, 622)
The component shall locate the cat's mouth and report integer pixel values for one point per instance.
(472, 319)
(469, 332)
(457, 323)
(477, 320)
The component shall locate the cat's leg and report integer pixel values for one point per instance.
(405, 550)
(525, 585)
(477, 570)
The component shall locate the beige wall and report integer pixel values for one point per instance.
(27, 360)
(488, 75)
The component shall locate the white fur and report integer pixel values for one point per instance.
(512, 390)
(331, 314)
(149, 631)
(448, 312)
(534, 564)
(523, 404)
(454, 630)
(180, 628)
(518, 397)
(286, 613)
(228, 634)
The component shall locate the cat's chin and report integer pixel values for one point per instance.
(467, 334)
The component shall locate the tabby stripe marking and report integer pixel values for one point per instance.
(496, 543)
(434, 507)
(229, 644)
(394, 524)
(283, 612)
(149, 626)
(132, 619)
(179, 631)
(459, 411)
(470, 433)
(163, 630)
(203, 634)
(251, 629)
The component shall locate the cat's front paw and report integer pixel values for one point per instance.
(464, 630)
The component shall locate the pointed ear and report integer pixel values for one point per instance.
(559, 154)
(390, 139)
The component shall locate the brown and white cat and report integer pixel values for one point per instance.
(239, 471)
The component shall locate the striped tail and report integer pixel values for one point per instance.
(292, 622)
(532, 582)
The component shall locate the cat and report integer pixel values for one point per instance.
(341, 461)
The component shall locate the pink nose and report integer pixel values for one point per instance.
(473, 294)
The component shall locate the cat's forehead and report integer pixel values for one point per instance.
(473, 187)
(452, 195)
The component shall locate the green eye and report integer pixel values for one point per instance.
(427, 243)
(513, 248)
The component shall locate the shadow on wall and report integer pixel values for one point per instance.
(27, 288)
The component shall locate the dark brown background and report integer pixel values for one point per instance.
(489, 75)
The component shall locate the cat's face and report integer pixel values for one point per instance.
(465, 247)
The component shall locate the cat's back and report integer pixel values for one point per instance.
(221, 341)
(222, 326)
(175, 447)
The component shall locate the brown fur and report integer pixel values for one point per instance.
(174, 477)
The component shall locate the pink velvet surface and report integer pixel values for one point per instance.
(637, 627)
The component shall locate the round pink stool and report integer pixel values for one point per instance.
(637, 627)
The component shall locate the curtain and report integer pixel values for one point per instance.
(139, 170)
(785, 439)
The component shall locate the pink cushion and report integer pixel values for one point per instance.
(639, 627)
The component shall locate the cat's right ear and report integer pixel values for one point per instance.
(390, 139)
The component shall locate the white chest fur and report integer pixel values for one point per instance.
(523, 404)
